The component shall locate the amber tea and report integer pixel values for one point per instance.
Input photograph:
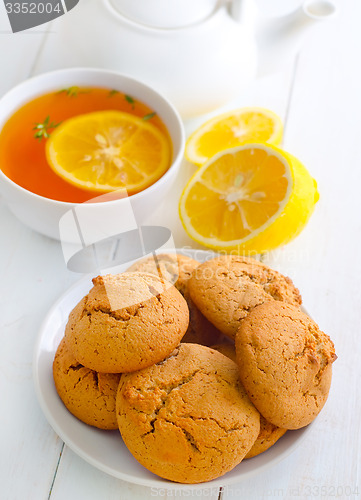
(77, 143)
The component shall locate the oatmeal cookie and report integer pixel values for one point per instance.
(126, 322)
(187, 418)
(285, 364)
(227, 288)
(88, 395)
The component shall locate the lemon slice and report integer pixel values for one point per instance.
(232, 129)
(108, 151)
(252, 198)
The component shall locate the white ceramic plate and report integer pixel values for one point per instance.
(105, 449)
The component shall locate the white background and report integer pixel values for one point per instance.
(319, 98)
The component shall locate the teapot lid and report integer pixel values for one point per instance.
(165, 14)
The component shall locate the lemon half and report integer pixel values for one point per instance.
(252, 198)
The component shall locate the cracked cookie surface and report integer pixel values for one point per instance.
(227, 288)
(285, 364)
(269, 434)
(188, 418)
(126, 322)
(88, 395)
(177, 269)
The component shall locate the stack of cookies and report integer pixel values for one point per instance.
(136, 356)
(126, 322)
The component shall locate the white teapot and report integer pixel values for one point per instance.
(198, 53)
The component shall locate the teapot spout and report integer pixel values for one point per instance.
(319, 10)
(280, 38)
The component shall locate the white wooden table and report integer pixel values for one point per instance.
(319, 98)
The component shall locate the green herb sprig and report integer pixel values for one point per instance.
(73, 91)
(43, 128)
(149, 116)
(130, 99)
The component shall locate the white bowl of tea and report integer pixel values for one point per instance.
(86, 137)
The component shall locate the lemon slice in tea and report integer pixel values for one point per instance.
(108, 151)
(252, 198)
